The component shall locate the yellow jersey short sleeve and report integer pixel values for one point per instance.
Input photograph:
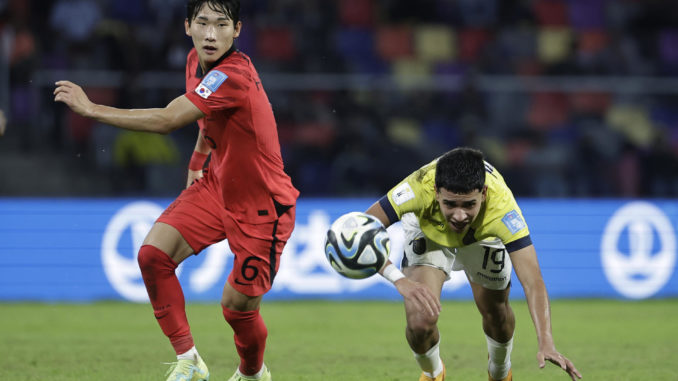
(499, 217)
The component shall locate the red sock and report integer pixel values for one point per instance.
(250, 338)
(167, 298)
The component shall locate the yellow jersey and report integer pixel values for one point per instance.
(499, 216)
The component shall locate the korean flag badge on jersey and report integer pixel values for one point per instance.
(513, 221)
(210, 83)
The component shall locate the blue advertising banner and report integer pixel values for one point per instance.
(85, 249)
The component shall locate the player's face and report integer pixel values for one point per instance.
(212, 33)
(460, 209)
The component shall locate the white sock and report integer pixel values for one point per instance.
(254, 376)
(191, 354)
(430, 362)
(499, 363)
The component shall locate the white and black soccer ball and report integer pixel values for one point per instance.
(357, 245)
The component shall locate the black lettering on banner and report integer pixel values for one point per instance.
(498, 258)
(252, 270)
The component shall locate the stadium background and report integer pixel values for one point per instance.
(575, 102)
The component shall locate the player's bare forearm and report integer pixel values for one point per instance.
(526, 267)
(540, 311)
(147, 120)
(377, 211)
(176, 114)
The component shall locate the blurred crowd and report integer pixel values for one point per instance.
(618, 138)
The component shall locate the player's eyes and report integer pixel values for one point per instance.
(465, 205)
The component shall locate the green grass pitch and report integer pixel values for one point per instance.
(343, 341)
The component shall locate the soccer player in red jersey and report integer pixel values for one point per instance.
(244, 195)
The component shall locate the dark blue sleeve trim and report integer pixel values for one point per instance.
(388, 208)
(519, 244)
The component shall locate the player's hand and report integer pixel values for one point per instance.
(419, 296)
(563, 362)
(192, 176)
(73, 96)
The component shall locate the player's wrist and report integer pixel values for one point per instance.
(392, 273)
(92, 111)
(197, 161)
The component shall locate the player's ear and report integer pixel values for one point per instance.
(484, 192)
(187, 26)
(236, 29)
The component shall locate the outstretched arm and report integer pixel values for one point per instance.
(176, 114)
(416, 293)
(527, 268)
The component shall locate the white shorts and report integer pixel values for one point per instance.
(485, 262)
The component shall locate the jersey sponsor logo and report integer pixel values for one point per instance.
(402, 193)
(491, 278)
(513, 221)
(210, 83)
(638, 250)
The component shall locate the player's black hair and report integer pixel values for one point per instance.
(231, 8)
(461, 170)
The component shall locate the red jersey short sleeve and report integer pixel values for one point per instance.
(240, 128)
(219, 91)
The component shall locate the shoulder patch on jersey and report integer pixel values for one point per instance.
(513, 221)
(210, 83)
(402, 193)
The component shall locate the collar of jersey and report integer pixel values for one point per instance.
(198, 71)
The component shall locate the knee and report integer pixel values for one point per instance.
(146, 258)
(237, 301)
(497, 315)
(152, 259)
(245, 319)
(240, 304)
(421, 326)
(229, 304)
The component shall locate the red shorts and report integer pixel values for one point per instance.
(199, 216)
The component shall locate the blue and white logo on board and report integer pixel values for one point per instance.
(120, 245)
(210, 83)
(119, 259)
(513, 221)
(638, 250)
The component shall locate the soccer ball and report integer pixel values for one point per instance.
(357, 245)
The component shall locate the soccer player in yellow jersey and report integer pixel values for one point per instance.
(458, 214)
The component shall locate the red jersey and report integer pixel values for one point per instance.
(240, 128)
